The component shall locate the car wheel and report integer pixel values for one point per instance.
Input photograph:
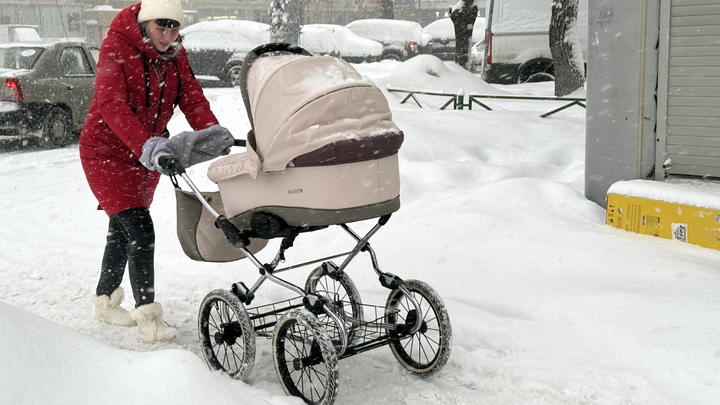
(232, 76)
(392, 56)
(534, 71)
(57, 129)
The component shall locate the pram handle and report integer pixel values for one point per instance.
(172, 165)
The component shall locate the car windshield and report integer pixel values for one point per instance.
(19, 57)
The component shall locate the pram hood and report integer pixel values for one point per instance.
(300, 104)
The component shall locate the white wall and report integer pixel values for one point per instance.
(621, 87)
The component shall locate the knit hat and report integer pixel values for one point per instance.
(158, 9)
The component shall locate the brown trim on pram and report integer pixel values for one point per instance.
(352, 150)
(299, 216)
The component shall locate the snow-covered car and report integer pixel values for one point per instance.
(349, 46)
(401, 40)
(217, 48)
(47, 89)
(443, 36)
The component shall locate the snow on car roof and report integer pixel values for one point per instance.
(444, 29)
(387, 31)
(233, 35)
(349, 43)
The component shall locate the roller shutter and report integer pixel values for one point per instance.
(691, 88)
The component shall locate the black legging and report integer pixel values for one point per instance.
(131, 241)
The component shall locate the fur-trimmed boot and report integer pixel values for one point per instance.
(108, 309)
(151, 326)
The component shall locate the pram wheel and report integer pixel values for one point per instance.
(342, 297)
(305, 360)
(426, 351)
(226, 334)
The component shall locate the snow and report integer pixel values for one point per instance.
(390, 31)
(242, 36)
(548, 304)
(427, 73)
(696, 193)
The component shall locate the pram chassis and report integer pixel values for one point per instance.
(326, 320)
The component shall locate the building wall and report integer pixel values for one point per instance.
(54, 20)
(621, 93)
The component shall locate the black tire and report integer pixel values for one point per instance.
(426, 351)
(342, 297)
(391, 56)
(540, 70)
(305, 360)
(232, 74)
(57, 128)
(226, 334)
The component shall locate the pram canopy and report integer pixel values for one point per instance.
(310, 111)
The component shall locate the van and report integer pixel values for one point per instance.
(517, 43)
(18, 33)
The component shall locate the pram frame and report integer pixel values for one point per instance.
(268, 270)
(308, 306)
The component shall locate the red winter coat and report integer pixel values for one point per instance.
(130, 106)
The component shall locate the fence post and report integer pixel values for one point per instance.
(460, 99)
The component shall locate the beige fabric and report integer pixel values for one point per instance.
(199, 237)
(320, 187)
(300, 104)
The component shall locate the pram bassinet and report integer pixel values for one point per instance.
(322, 149)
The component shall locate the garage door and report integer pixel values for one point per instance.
(689, 88)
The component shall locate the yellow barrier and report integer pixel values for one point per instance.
(670, 220)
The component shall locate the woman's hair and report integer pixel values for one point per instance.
(167, 23)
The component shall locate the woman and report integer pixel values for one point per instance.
(143, 74)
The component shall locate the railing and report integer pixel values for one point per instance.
(458, 100)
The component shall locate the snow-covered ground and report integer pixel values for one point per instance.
(548, 304)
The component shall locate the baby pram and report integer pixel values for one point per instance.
(322, 152)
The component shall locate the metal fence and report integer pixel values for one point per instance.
(461, 101)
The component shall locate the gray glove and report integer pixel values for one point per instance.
(189, 147)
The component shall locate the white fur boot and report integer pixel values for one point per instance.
(108, 309)
(151, 326)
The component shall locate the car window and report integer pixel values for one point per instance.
(95, 52)
(74, 62)
(19, 57)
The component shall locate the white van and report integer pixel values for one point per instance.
(517, 45)
(18, 33)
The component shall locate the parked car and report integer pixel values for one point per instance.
(443, 36)
(517, 43)
(47, 90)
(218, 48)
(401, 40)
(349, 46)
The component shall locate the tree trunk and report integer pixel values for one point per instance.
(286, 20)
(463, 20)
(386, 9)
(565, 47)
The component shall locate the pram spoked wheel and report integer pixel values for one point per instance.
(226, 334)
(341, 296)
(426, 351)
(305, 359)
